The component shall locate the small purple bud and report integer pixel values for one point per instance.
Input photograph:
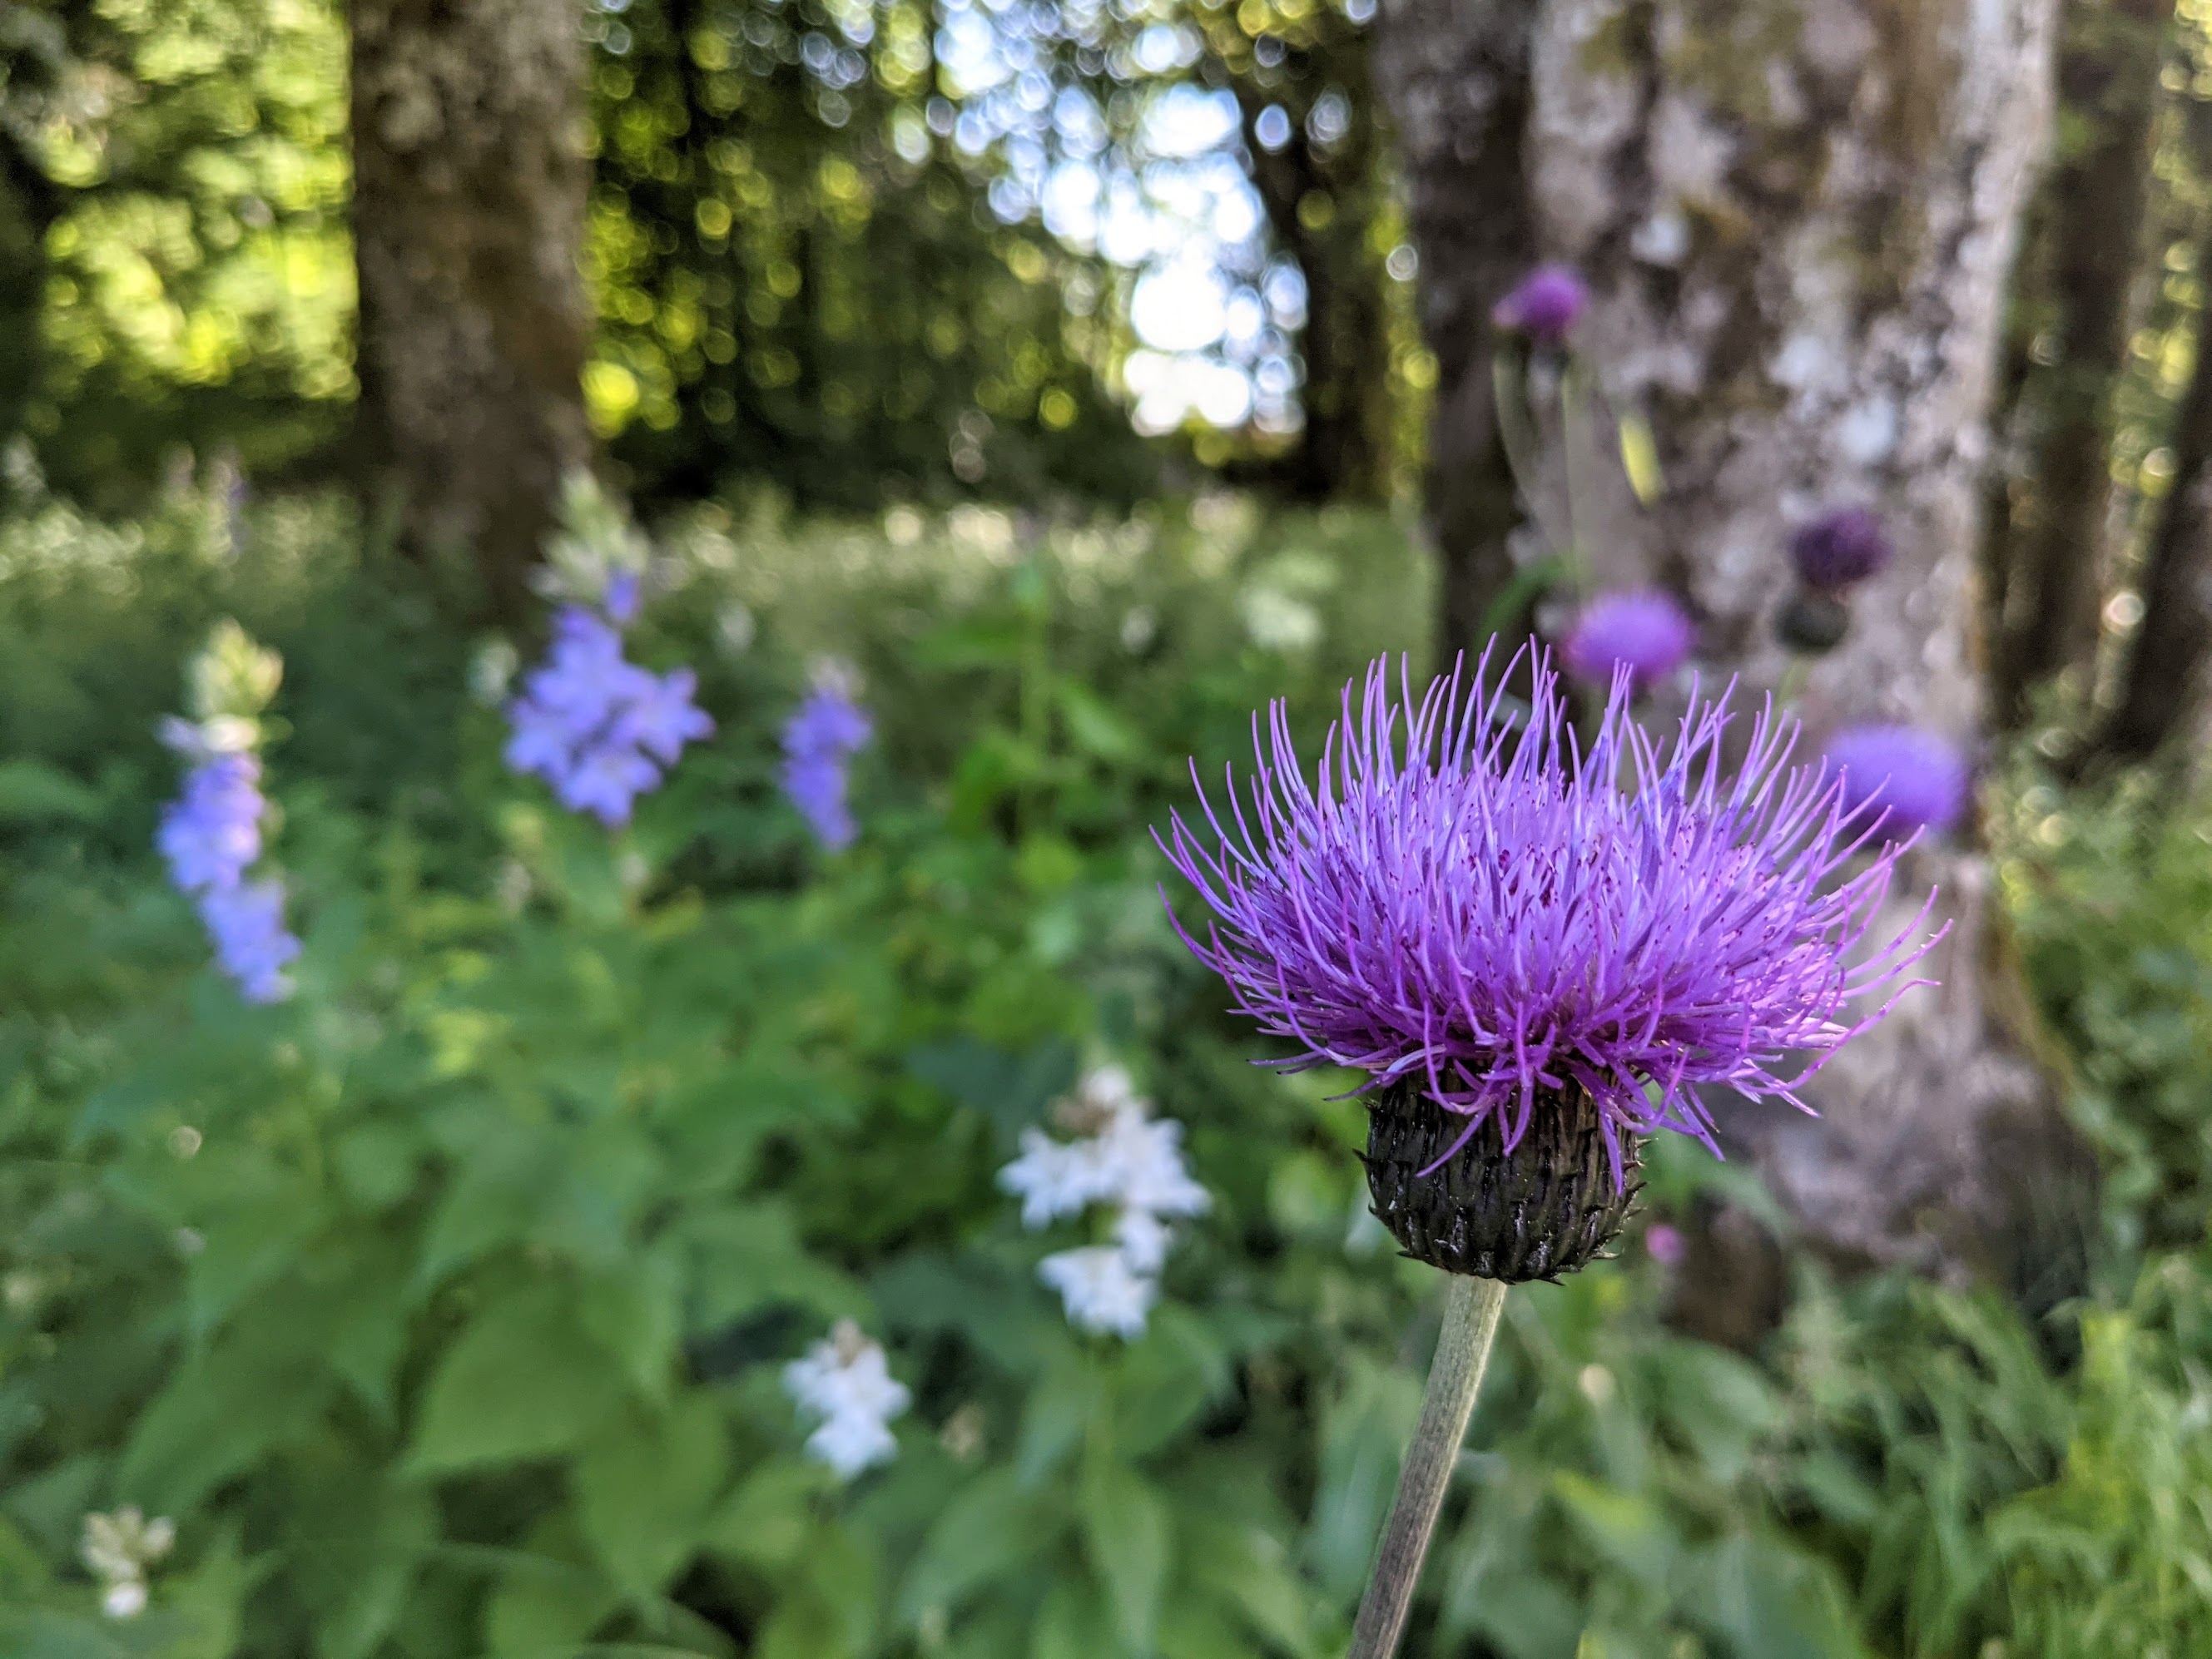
(1544, 305)
(1840, 548)
(1914, 779)
(1647, 632)
(1666, 1243)
(623, 596)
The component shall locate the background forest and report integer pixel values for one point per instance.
(565, 1222)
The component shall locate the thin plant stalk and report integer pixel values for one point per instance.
(1471, 1309)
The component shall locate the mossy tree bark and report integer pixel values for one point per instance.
(2049, 534)
(470, 179)
(1321, 191)
(1798, 218)
(1455, 79)
(2163, 690)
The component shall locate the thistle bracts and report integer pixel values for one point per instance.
(1466, 1205)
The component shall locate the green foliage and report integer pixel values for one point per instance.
(442, 1307)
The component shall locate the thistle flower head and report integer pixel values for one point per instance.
(1544, 305)
(1499, 917)
(1647, 632)
(1899, 779)
(1843, 546)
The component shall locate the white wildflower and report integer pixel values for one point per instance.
(845, 1383)
(118, 1548)
(1101, 1289)
(1120, 1157)
(125, 1598)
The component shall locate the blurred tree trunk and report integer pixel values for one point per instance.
(469, 192)
(1797, 222)
(2048, 540)
(1322, 194)
(35, 58)
(2162, 686)
(1456, 78)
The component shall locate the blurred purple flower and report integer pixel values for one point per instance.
(247, 922)
(1666, 1243)
(1646, 631)
(1908, 778)
(1494, 913)
(819, 740)
(212, 832)
(588, 717)
(1840, 548)
(1544, 305)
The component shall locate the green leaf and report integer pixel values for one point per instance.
(1364, 1440)
(644, 1487)
(218, 1416)
(1127, 1531)
(990, 1528)
(1054, 1418)
(519, 1381)
(1768, 1601)
(769, 1519)
(1071, 1623)
(31, 791)
(1627, 1529)
(634, 1313)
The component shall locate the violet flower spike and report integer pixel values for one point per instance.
(1493, 914)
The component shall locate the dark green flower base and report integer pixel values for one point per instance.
(1549, 1209)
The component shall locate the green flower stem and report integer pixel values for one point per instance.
(1471, 1309)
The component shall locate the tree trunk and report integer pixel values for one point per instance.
(2167, 662)
(1455, 76)
(469, 192)
(2096, 195)
(35, 59)
(1798, 221)
(1321, 199)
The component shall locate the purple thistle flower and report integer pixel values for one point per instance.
(1494, 917)
(591, 723)
(1647, 632)
(820, 739)
(1544, 305)
(212, 832)
(246, 923)
(1898, 779)
(1840, 548)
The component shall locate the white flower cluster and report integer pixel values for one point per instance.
(118, 1548)
(1123, 1158)
(846, 1386)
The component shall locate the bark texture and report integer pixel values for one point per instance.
(470, 179)
(1798, 218)
(1456, 78)
(2162, 693)
(2051, 529)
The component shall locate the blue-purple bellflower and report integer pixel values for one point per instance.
(1538, 945)
(819, 740)
(595, 725)
(210, 836)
